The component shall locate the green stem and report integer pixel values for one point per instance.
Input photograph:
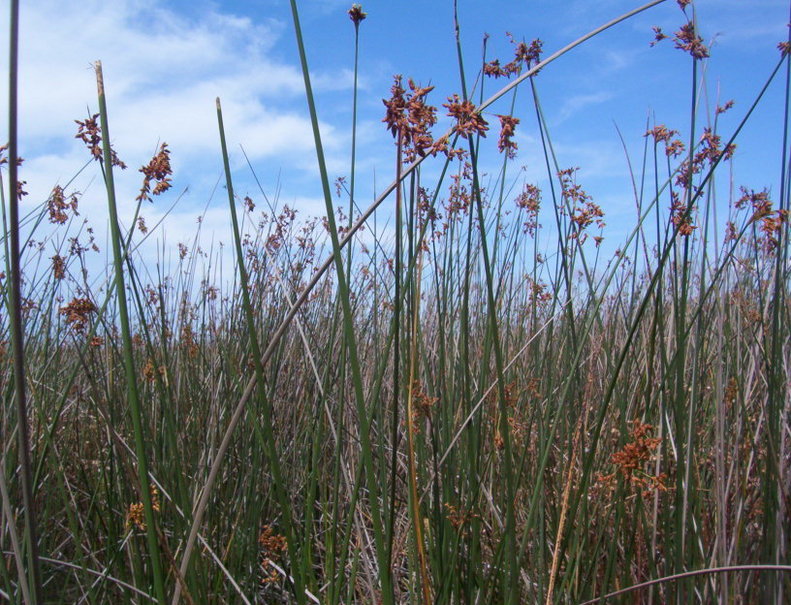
(15, 313)
(126, 336)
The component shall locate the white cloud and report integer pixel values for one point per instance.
(162, 74)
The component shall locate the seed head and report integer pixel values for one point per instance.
(468, 120)
(356, 14)
(688, 40)
(58, 267)
(157, 171)
(506, 143)
(90, 133)
(658, 35)
(409, 118)
(77, 313)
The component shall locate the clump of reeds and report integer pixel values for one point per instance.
(457, 413)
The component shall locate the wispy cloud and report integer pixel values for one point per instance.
(576, 103)
(162, 71)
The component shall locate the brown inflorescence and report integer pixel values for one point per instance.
(632, 458)
(90, 133)
(658, 35)
(134, 514)
(77, 313)
(409, 118)
(530, 201)
(58, 267)
(469, 121)
(710, 149)
(770, 221)
(422, 405)
(458, 517)
(689, 41)
(673, 147)
(524, 56)
(57, 205)
(272, 548)
(723, 108)
(20, 191)
(157, 171)
(680, 216)
(356, 14)
(584, 212)
(507, 129)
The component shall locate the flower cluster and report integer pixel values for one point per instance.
(356, 14)
(525, 55)
(673, 147)
(90, 133)
(710, 150)
(658, 35)
(530, 201)
(680, 216)
(272, 547)
(458, 194)
(469, 121)
(506, 142)
(584, 212)
(709, 153)
(57, 205)
(58, 267)
(156, 171)
(770, 221)
(459, 517)
(134, 516)
(633, 456)
(422, 405)
(688, 40)
(77, 313)
(409, 118)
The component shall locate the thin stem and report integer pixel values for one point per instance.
(15, 312)
(128, 353)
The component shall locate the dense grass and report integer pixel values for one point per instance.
(451, 411)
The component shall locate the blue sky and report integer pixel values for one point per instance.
(165, 62)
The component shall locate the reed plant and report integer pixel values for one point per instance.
(464, 407)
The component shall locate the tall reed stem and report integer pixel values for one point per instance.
(128, 352)
(15, 313)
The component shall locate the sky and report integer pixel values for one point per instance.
(165, 62)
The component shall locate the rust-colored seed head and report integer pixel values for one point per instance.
(689, 41)
(356, 14)
(530, 201)
(658, 35)
(409, 118)
(506, 142)
(90, 133)
(77, 313)
(157, 171)
(58, 267)
(525, 55)
(468, 120)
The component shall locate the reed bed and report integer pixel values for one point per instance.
(464, 406)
